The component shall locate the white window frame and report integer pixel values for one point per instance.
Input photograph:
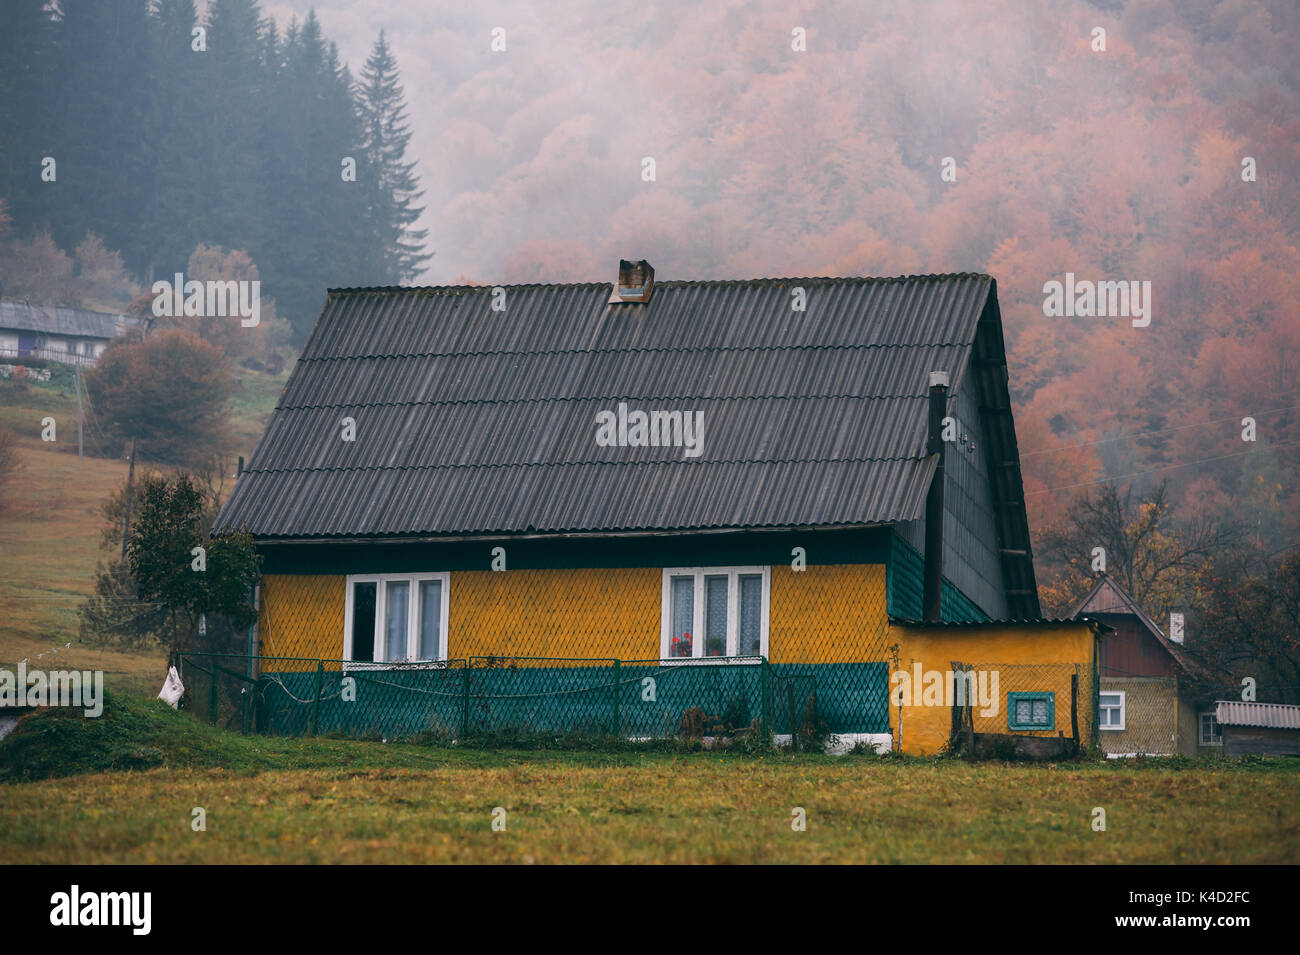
(1123, 715)
(412, 615)
(733, 575)
(1200, 728)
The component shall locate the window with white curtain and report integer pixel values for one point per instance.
(396, 618)
(714, 612)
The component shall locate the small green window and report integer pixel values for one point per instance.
(1031, 711)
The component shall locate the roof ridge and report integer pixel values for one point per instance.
(765, 280)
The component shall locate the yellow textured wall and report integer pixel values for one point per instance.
(560, 613)
(603, 612)
(828, 614)
(302, 616)
(825, 614)
(1150, 715)
(1027, 657)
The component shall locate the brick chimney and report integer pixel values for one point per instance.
(635, 282)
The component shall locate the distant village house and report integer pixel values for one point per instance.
(71, 335)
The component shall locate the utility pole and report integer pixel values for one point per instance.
(130, 495)
(77, 366)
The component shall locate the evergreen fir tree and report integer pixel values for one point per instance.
(102, 120)
(310, 199)
(26, 62)
(174, 213)
(357, 255)
(236, 79)
(161, 147)
(391, 184)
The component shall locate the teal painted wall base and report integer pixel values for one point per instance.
(634, 699)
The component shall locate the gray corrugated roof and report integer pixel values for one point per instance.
(475, 421)
(1272, 715)
(51, 320)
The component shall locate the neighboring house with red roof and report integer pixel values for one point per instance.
(1148, 704)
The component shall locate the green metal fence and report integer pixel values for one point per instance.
(502, 696)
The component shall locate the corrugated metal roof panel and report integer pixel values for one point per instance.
(1270, 715)
(475, 421)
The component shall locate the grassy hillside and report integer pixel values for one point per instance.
(50, 531)
(143, 768)
(138, 732)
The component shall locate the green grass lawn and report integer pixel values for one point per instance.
(281, 800)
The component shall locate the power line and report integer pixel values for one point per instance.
(1168, 467)
(1140, 434)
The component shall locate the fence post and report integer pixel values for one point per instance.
(315, 703)
(1094, 736)
(212, 694)
(617, 687)
(464, 705)
(246, 698)
(954, 724)
(1074, 706)
(788, 682)
(762, 708)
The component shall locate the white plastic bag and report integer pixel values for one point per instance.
(172, 689)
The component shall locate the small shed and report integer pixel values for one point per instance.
(1266, 729)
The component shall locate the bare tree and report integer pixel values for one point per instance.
(1251, 626)
(1159, 560)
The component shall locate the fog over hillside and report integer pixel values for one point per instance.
(1146, 147)
(1117, 164)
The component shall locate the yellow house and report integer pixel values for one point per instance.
(1028, 678)
(641, 508)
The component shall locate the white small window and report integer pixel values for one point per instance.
(1211, 730)
(1111, 710)
(714, 612)
(396, 618)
